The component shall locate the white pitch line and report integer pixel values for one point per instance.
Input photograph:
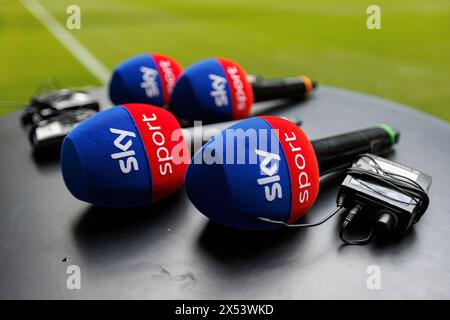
(83, 55)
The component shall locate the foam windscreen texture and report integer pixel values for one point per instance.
(281, 183)
(124, 157)
(146, 78)
(212, 90)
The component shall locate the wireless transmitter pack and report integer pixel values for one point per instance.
(53, 115)
(390, 196)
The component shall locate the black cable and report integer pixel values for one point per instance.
(406, 180)
(44, 87)
(348, 219)
(308, 225)
(356, 242)
(303, 225)
(382, 177)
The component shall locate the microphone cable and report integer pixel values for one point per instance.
(348, 219)
(339, 209)
(382, 177)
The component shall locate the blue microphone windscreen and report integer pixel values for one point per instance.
(128, 82)
(202, 93)
(237, 194)
(104, 162)
(147, 78)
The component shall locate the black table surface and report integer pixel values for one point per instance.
(171, 251)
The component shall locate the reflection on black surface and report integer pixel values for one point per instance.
(227, 245)
(104, 233)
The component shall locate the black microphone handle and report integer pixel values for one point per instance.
(340, 151)
(289, 88)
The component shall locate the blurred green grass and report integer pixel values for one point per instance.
(407, 61)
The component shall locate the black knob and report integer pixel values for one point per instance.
(386, 222)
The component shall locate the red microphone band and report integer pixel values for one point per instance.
(155, 127)
(169, 71)
(240, 89)
(302, 164)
